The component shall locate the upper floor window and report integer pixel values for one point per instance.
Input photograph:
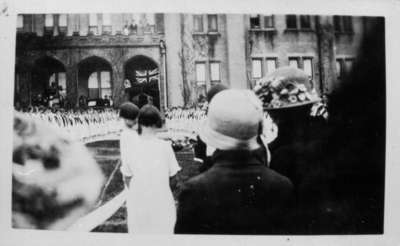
(62, 20)
(347, 24)
(269, 21)
(198, 23)
(93, 22)
(106, 20)
(20, 21)
(255, 22)
(212, 23)
(92, 19)
(106, 28)
(305, 21)
(150, 19)
(48, 21)
(291, 22)
(343, 24)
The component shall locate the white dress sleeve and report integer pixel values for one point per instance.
(124, 151)
(173, 165)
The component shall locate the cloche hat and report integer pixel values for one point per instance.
(234, 118)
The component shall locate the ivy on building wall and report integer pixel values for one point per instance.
(187, 57)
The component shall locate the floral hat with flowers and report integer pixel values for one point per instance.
(286, 87)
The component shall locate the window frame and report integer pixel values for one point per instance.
(311, 63)
(99, 87)
(255, 17)
(343, 24)
(20, 22)
(93, 27)
(340, 73)
(200, 18)
(294, 58)
(261, 72)
(201, 82)
(295, 22)
(272, 19)
(211, 71)
(301, 19)
(274, 59)
(106, 28)
(209, 17)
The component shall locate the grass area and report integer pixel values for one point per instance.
(107, 156)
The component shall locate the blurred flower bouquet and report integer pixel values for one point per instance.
(279, 93)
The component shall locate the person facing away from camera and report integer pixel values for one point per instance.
(238, 194)
(128, 112)
(266, 134)
(202, 152)
(298, 150)
(151, 162)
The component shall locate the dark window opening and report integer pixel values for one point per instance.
(212, 23)
(305, 21)
(255, 22)
(291, 22)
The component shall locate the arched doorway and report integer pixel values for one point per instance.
(48, 86)
(94, 81)
(144, 75)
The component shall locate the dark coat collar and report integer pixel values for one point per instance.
(238, 157)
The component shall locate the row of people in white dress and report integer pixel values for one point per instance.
(81, 126)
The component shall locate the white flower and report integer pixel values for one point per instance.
(302, 87)
(302, 97)
(292, 99)
(284, 91)
(276, 82)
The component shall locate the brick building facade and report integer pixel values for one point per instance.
(175, 58)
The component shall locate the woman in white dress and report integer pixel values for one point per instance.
(150, 205)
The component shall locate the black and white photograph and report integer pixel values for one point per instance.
(199, 123)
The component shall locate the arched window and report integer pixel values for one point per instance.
(99, 84)
(60, 81)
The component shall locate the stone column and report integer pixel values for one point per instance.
(72, 84)
(326, 53)
(236, 39)
(117, 61)
(174, 67)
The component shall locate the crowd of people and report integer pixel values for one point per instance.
(304, 173)
(90, 124)
(82, 125)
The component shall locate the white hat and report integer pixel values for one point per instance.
(234, 118)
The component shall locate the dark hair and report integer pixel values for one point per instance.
(214, 90)
(129, 110)
(150, 116)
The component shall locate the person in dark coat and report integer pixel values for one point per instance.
(238, 194)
